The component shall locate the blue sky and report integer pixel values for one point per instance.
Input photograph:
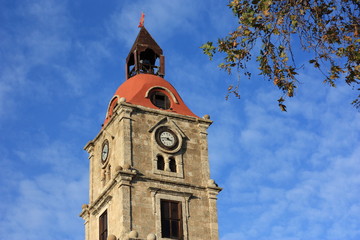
(286, 176)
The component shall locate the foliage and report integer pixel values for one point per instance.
(328, 30)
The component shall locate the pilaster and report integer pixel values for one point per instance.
(125, 212)
(203, 125)
(125, 131)
(89, 147)
(85, 214)
(213, 191)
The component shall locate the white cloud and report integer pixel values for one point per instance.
(45, 196)
(28, 45)
(162, 17)
(43, 57)
(285, 175)
(45, 206)
(297, 175)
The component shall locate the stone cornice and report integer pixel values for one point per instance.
(177, 183)
(164, 113)
(123, 177)
(213, 192)
(128, 107)
(172, 192)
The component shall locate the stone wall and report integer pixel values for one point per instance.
(129, 185)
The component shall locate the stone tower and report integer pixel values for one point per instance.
(149, 167)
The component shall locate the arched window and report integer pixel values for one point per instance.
(160, 162)
(112, 106)
(160, 99)
(172, 164)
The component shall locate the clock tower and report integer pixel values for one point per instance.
(149, 167)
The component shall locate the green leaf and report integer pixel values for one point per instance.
(208, 49)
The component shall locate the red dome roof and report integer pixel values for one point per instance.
(137, 88)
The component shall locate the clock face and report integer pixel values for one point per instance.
(166, 138)
(105, 151)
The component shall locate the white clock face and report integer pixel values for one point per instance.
(105, 152)
(167, 138)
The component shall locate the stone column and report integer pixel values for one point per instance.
(85, 215)
(89, 147)
(125, 212)
(125, 131)
(203, 126)
(213, 191)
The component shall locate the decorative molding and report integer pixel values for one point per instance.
(124, 111)
(213, 192)
(164, 88)
(95, 209)
(166, 172)
(177, 183)
(183, 197)
(89, 147)
(170, 123)
(162, 112)
(122, 178)
(170, 192)
(109, 104)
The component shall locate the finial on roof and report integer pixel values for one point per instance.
(144, 55)
(142, 18)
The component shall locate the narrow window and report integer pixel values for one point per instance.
(160, 162)
(171, 219)
(103, 226)
(172, 164)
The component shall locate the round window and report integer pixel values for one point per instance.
(160, 99)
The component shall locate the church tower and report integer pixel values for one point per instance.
(149, 167)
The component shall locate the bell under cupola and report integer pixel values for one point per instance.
(145, 56)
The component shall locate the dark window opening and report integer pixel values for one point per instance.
(131, 66)
(160, 100)
(160, 162)
(171, 219)
(103, 226)
(172, 164)
(147, 61)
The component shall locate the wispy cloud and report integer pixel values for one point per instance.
(162, 17)
(37, 44)
(46, 192)
(292, 169)
(42, 208)
(285, 175)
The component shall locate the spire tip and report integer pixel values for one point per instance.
(142, 19)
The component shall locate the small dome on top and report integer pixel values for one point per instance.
(150, 91)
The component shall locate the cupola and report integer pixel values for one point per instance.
(145, 56)
(145, 84)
